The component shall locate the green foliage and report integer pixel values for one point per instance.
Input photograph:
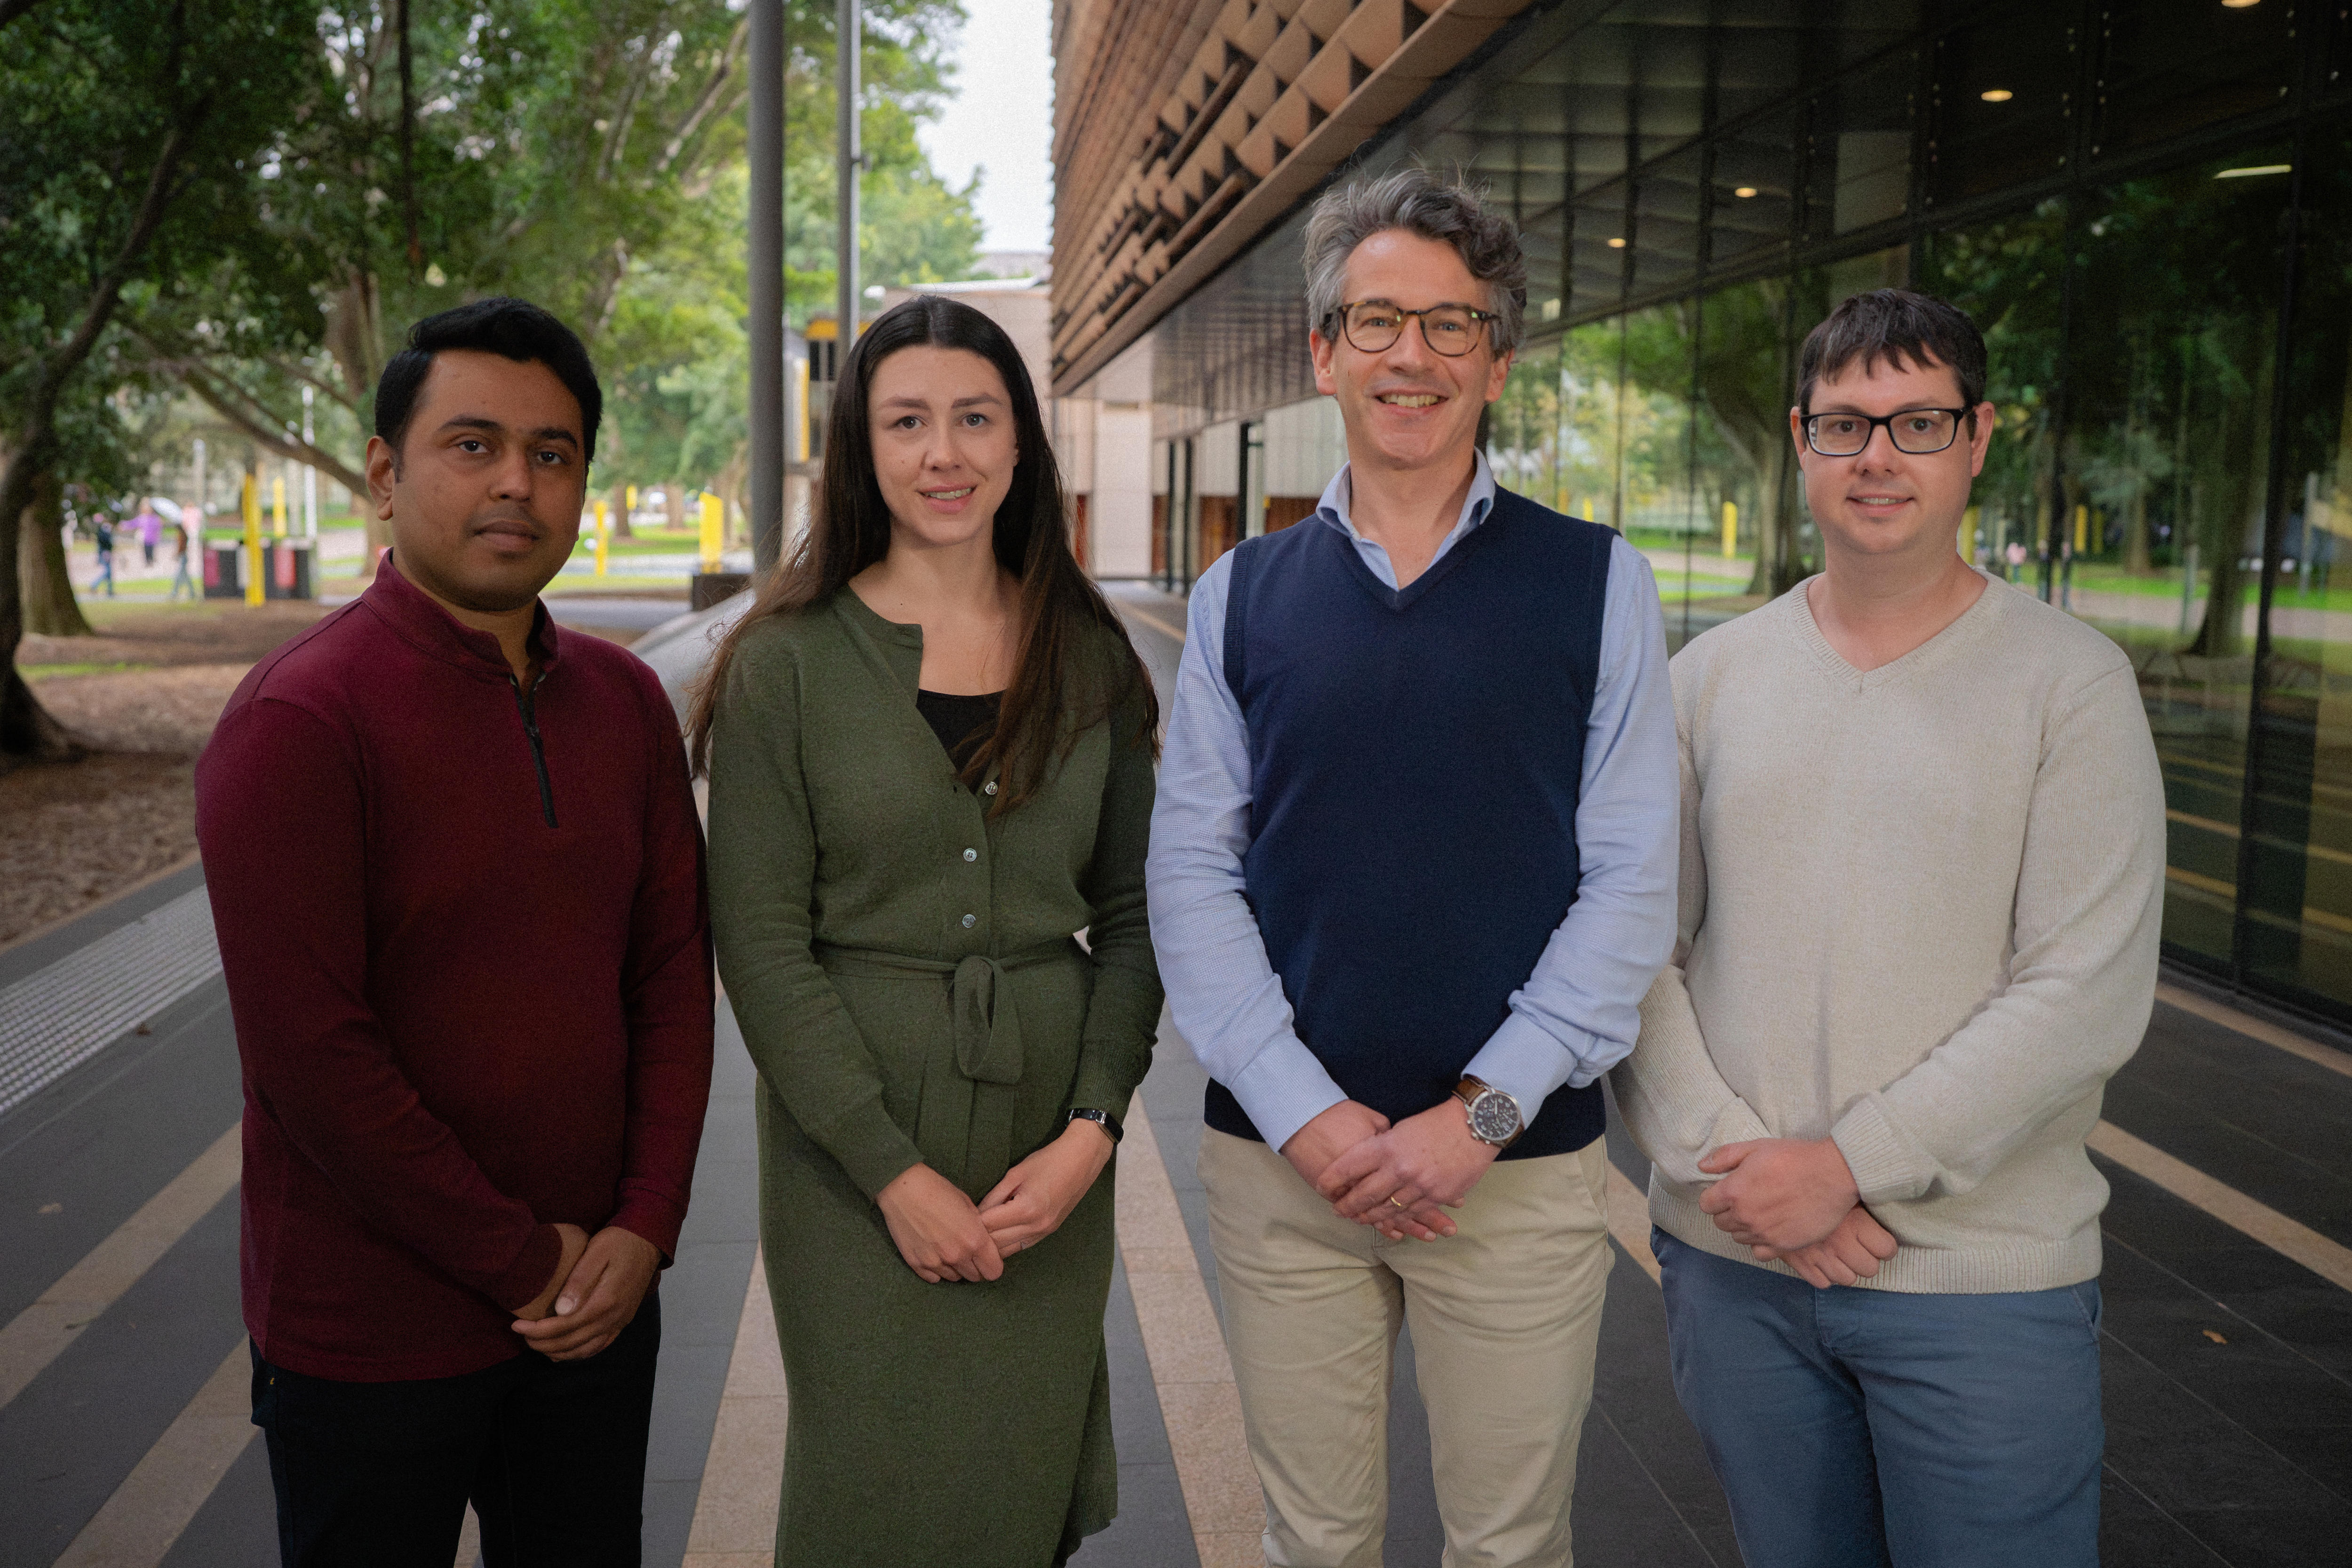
(124, 129)
(914, 226)
(587, 154)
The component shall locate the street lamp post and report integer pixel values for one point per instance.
(770, 415)
(310, 475)
(848, 39)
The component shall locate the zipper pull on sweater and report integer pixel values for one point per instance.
(525, 705)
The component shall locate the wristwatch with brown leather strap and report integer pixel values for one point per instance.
(1494, 1117)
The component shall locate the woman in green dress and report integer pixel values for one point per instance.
(929, 746)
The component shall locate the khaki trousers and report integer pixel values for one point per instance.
(1505, 1318)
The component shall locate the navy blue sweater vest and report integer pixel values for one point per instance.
(1415, 759)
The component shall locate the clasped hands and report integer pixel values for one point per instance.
(945, 1237)
(600, 1281)
(1400, 1179)
(1794, 1199)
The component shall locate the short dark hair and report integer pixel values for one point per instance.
(516, 328)
(1898, 325)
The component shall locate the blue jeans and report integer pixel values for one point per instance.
(1860, 1428)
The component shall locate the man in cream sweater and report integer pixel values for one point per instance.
(1922, 873)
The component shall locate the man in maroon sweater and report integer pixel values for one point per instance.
(457, 877)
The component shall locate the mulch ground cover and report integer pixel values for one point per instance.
(143, 696)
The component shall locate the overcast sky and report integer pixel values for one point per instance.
(1001, 119)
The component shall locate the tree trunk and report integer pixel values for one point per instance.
(674, 503)
(2243, 475)
(28, 732)
(730, 485)
(50, 608)
(620, 511)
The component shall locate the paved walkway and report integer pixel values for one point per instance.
(2228, 1336)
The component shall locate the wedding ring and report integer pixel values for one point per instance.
(1392, 1198)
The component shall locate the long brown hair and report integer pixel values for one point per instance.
(1056, 693)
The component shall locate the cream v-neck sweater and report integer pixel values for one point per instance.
(1919, 914)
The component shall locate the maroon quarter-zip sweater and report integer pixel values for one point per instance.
(468, 958)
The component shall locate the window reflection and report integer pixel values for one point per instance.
(1753, 189)
(1859, 150)
(2173, 459)
(2298, 920)
(2003, 101)
(2159, 539)
(2170, 66)
(1746, 479)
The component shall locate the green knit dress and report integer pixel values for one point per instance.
(905, 972)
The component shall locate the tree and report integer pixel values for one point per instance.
(121, 127)
(538, 148)
(587, 156)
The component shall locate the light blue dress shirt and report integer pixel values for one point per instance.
(1579, 1012)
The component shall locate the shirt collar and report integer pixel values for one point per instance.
(422, 622)
(1337, 495)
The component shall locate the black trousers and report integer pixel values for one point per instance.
(551, 1454)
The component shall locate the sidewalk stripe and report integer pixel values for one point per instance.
(163, 1492)
(55, 1018)
(2328, 1260)
(1190, 1368)
(1629, 1220)
(2255, 1029)
(41, 1331)
(743, 1474)
(1154, 622)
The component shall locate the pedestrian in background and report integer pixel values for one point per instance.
(931, 752)
(103, 528)
(1413, 868)
(457, 875)
(181, 547)
(150, 524)
(1919, 933)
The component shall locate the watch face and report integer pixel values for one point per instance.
(1495, 1116)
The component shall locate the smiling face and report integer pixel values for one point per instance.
(944, 448)
(1881, 502)
(1408, 407)
(484, 494)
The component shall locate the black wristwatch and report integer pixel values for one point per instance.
(1102, 1118)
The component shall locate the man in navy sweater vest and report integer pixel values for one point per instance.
(1413, 868)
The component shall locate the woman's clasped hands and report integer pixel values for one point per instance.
(945, 1237)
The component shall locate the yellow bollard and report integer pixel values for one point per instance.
(255, 589)
(629, 506)
(277, 506)
(799, 437)
(603, 534)
(1730, 529)
(1968, 540)
(714, 527)
(2081, 529)
(1588, 509)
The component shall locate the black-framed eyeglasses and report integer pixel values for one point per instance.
(1916, 431)
(1373, 326)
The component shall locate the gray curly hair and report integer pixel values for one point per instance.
(1443, 210)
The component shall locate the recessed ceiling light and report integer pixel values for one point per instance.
(1996, 95)
(2255, 170)
(2239, 5)
(1616, 245)
(1744, 192)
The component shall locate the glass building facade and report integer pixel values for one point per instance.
(2147, 207)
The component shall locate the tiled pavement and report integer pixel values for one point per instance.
(2227, 1365)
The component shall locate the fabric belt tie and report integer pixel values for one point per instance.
(964, 1123)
